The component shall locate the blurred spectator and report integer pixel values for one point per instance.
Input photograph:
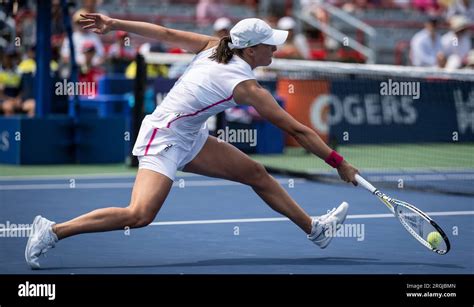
(209, 10)
(272, 20)
(321, 44)
(296, 45)
(461, 7)
(428, 6)
(28, 64)
(120, 54)
(457, 42)
(27, 69)
(91, 6)
(470, 60)
(10, 81)
(357, 6)
(57, 22)
(222, 27)
(152, 70)
(22, 93)
(151, 47)
(425, 46)
(25, 27)
(79, 37)
(90, 72)
(404, 4)
(122, 49)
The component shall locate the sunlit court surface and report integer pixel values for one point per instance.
(317, 144)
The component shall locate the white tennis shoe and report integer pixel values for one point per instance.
(324, 226)
(41, 239)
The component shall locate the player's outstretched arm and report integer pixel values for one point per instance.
(251, 93)
(192, 42)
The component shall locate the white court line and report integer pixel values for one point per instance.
(82, 176)
(122, 185)
(67, 177)
(277, 219)
(280, 219)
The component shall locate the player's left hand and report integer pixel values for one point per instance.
(98, 23)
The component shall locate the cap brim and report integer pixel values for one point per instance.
(220, 29)
(460, 28)
(278, 38)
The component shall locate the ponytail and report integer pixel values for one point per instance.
(223, 53)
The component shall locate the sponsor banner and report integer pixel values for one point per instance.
(299, 97)
(432, 111)
(384, 110)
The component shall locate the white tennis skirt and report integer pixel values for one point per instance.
(163, 151)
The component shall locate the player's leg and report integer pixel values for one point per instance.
(221, 160)
(149, 193)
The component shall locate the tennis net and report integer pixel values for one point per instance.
(402, 127)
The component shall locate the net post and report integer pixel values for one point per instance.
(73, 110)
(43, 56)
(138, 110)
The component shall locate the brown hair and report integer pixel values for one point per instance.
(223, 54)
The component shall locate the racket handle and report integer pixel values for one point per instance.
(365, 183)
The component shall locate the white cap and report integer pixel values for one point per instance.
(286, 23)
(222, 24)
(458, 23)
(253, 31)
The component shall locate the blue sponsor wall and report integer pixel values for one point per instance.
(439, 112)
(36, 140)
(102, 140)
(62, 140)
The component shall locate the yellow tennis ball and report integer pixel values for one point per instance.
(434, 238)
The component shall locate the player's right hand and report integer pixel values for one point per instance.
(98, 23)
(347, 172)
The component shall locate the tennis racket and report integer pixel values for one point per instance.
(415, 221)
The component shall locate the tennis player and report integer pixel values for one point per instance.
(175, 136)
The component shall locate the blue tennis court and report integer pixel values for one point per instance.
(211, 226)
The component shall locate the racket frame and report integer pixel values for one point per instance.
(392, 205)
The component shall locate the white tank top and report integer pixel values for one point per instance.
(204, 90)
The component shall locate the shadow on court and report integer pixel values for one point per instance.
(344, 261)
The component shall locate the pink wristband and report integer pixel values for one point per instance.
(334, 159)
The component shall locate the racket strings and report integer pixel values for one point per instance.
(418, 226)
